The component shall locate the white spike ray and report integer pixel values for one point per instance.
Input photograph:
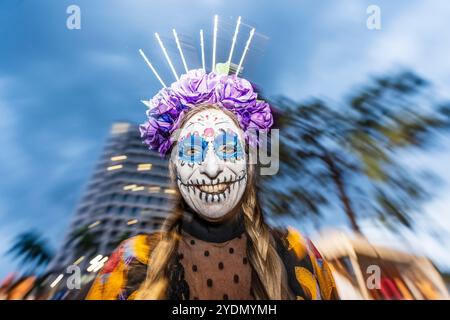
(247, 45)
(179, 49)
(233, 43)
(202, 45)
(216, 21)
(166, 55)
(152, 68)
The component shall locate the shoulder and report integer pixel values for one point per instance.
(309, 275)
(135, 248)
(125, 269)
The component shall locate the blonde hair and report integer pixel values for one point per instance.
(269, 279)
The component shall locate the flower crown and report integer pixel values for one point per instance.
(197, 87)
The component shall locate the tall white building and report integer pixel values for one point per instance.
(129, 193)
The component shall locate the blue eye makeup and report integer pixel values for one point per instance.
(227, 146)
(192, 149)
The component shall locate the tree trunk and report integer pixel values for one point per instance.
(337, 178)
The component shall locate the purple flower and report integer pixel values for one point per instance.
(260, 116)
(156, 133)
(165, 146)
(243, 117)
(195, 87)
(235, 93)
(165, 100)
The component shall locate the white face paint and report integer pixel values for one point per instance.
(210, 164)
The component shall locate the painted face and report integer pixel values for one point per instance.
(210, 164)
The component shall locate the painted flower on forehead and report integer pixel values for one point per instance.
(195, 87)
(235, 93)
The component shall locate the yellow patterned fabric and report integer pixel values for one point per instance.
(308, 282)
(296, 243)
(309, 276)
(112, 283)
(312, 272)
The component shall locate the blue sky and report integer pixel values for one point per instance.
(61, 89)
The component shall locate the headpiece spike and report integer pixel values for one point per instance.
(152, 68)
(252, 32)
(166, 55)
(216, 21)
(180, 50)
(233, 43)
(147, 103)
(202, 45)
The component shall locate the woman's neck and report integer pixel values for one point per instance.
(217, 232)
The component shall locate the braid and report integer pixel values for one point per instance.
(270, 281)
(156, 283)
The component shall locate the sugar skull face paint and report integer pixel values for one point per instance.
(211, 164)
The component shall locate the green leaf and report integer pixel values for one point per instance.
(223, 68)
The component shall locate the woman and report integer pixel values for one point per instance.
(215, 244)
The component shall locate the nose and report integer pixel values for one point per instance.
(211, 167)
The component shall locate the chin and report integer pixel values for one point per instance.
(212, 204)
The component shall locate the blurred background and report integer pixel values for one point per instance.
(363, 115)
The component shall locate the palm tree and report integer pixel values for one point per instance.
(85, 241)
(31, 250)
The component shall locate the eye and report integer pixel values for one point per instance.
(227, 148)
(192, 151)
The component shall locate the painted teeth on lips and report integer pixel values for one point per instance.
(216, 188)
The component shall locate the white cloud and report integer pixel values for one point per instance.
(416, 36)
(14, 160)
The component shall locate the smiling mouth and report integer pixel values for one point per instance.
(213, 190)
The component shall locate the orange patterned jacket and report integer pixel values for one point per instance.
(309, 276)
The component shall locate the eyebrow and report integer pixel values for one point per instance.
(220, 122)
(190, 124)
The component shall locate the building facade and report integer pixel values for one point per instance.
(129, 193)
